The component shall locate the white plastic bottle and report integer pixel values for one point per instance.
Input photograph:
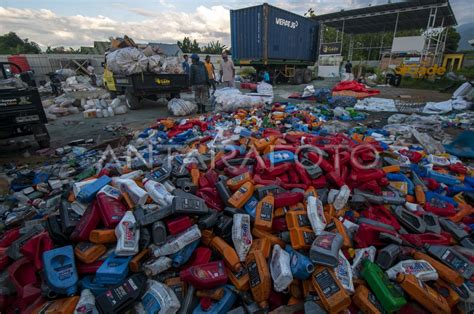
(158, 192)
(155, 266)
(132, 175)
(136, 193)
(316, 215)
(128, 235)
(342, 197)
(280, 268)
(159, 298)
(360, 255)
(343, 272)
(241, 235)
(86, 304)
(177, 242)
(420, 268)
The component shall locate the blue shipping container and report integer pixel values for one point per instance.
(265, 33)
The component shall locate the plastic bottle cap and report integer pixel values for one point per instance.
(206, 303)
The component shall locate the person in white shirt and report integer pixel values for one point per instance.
(227, 71)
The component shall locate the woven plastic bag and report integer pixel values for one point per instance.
(180, 107)
(127, 61)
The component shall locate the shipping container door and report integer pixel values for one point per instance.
(247, 33)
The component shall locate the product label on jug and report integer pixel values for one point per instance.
(325, 241)
(303, 221)
(372, 299)
(454, 261)
(327, 283)
(129, 234)
(267, 212)
(242, 272)
(64, 272)
(309, 237)
(252, 268)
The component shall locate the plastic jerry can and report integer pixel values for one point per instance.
(259, 276)
(330, 291)
(159, 298)
(297, 219)
(137, 195)
(301, 265)
(242, 195)
(111, 209)
(241, 235)
(325, 249)
(280, 269)
(102, 236)
(225, 250)
(60, 270)
(264, 213)
(222, 306)
(13, 250)
(33, 248)
(205, 276)
(86, 304)
(178, 225)
(113, 270)
(423, 294)
(189, 206)
(89, 282)
(88, 222)
(60, 306)
(177, 242)
(302, 238)
(89, 191)
(128, 235)
(122, 297)
(446, 292)
(385, 291)
(155, 266)
(22, 275)
(431, 222)
(236, 182)
(366, 301)
(263, 245)
(239, 279)
(420, 268)
(387, 256)
(88, 252)
(452, 258)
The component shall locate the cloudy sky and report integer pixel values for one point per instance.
(79, 22)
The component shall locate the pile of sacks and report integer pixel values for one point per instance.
(131, 60)
(103, 108)
(60, 106)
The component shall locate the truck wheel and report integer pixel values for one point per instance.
(132, 101)
(307, 76)
(298, 79)
(41, 135)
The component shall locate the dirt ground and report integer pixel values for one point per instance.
(74, 127)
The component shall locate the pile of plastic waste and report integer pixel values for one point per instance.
(258, 210)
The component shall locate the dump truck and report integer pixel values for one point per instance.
(271, 39)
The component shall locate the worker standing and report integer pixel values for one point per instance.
(199, 81)
(185, 65)
(348, 67)
(210, 72)
(227, 71)
(91, 72)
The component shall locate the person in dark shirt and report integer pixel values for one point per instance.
(185, 64)
(199, 80)
(348, 67)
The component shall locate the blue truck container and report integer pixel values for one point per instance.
(266, 33)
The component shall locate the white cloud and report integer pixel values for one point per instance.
(47, 28)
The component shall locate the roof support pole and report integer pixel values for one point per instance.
(321, 38)
(342, 34)
(394, 35)
(438, 51)
(351, 47)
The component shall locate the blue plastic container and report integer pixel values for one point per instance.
(113, 271)
(60, 270)
(182, 256)
(301, 265)
(251, 206)
(280, 156)
(88, 192)
(89, 282)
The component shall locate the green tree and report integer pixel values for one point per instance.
(452, 40)
(189, 46)
(214, 47)
(11, 43)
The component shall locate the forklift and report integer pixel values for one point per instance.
(21, 110)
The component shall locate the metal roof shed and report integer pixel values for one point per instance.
(411, 14)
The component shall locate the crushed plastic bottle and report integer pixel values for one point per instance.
(128, 235)
(241, 235)
(280, 269)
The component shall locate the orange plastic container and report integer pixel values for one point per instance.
(296, 289)
(136, 262)
(239, 279)
(423, 294)
(88, 252)
(214, 294)
(259, 278)
(225, 250)
(236, 182)
(272, 238)
(366, 301)
(420, 195)
(100, 236)
(297, 219)
(332, 294)
(302, 238)
(338, 227)
(263, 245)
(242, 195)
(446, 292)
(178, 286)
(60, 306)
(264, 213)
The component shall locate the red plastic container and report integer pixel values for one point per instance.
(288, 198)
(33, 249)
(205, 276)
(91, 268)
(22, 274)
(21, 61)
(111, 210)
(202, 255)
(178, 225)
(89, 221)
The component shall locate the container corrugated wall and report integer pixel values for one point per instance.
(266, 32)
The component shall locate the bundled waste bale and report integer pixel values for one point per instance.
(127, 61)
(180, 107)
